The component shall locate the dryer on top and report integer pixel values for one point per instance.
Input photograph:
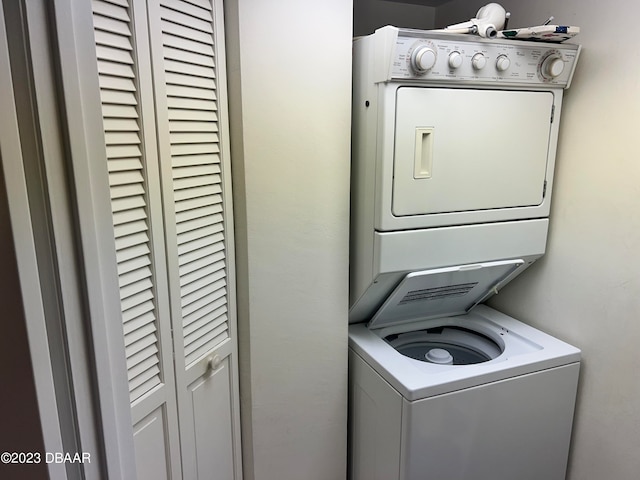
(453, 153)
(468, 136)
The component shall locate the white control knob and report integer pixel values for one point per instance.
(478, 61)
(503, 63)
(455, 60)
(423, 59)
(552, 66)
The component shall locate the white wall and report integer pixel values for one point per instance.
(368, 15)
(290, 90)
(586, 290)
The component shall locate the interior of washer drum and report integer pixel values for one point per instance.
(446, 345)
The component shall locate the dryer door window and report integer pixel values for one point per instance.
(460, 150)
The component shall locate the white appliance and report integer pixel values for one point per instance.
(454, 142)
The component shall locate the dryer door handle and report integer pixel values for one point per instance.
(423, 154)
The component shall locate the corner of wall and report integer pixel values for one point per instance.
(234, 88)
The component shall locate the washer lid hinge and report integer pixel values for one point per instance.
(553, 111)
(544, 189)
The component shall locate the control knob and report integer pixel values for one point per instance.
(503, 63)
(552, 66)
(478, 61)
(423, 59)
(455, 60)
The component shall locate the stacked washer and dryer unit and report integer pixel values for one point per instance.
(454, 143)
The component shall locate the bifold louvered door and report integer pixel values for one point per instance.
(188, 60)
(161, 72)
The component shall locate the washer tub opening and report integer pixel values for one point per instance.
(465, 346)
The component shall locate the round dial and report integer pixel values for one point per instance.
(478, 61)
(503, 63)
(423, 58)
(552, 66)
(455, 60)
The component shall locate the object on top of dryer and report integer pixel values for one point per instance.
(542, 33)
(489, 19)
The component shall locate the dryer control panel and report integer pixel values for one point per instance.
(452, 58)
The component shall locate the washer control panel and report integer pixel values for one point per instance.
(467, 59)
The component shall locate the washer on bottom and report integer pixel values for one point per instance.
(500, 409)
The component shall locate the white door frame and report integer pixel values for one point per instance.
(20, 215)
(79, 372)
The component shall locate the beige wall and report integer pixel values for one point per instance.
(586, 290)
(290, 90)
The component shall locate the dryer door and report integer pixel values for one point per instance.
(459, 150)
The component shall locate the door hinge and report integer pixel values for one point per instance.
(544, 189)
(553, 111)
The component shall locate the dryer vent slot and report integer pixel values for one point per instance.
(437, 293)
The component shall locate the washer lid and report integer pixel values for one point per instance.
(443, 291)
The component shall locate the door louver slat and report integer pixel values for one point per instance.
(111, 25)
(188, 45)
(191, 170)
(123, 164)
(139, 310)
(139, 326)
(195, 221)
(126, 191)
(194, 70)
(217, 247)
(192, 115)
(215, 280)
(206, 4)
(135, 276)
(147, 332)
(135, 287)
(195, 193)
(203, 270)
(142, 355)
(115, 70)
(180, 79)
(189, 8)
(111, 9)
(215, 310)
(131, 240)
(126, 203)
(175, 16)
(130, 253)
(183, 208)
(180, 31)
(194, 266)
(145, 344)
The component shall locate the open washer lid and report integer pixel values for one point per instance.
(443, 292)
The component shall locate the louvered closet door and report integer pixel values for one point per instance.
(132, 161)
(187, 40)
